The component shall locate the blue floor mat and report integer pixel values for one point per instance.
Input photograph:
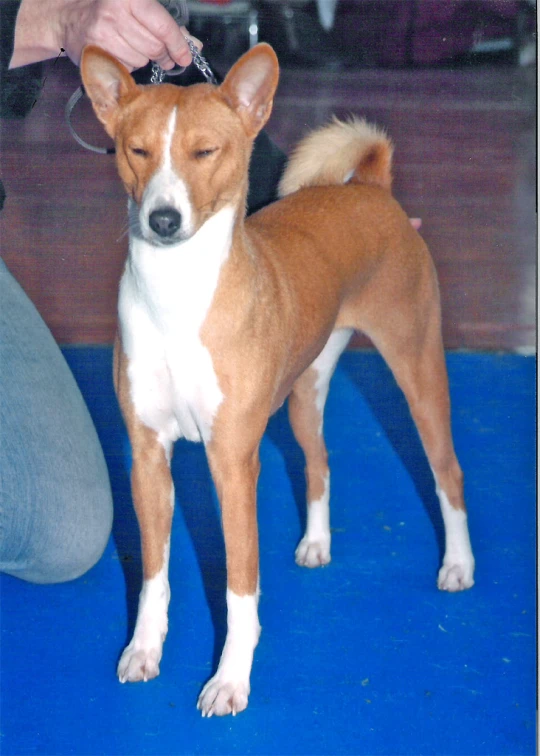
(362, 657)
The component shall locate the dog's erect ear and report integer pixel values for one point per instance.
(250, 85)
(106, 81)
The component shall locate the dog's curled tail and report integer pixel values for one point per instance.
(339, 152)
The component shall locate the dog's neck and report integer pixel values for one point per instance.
(182, 278)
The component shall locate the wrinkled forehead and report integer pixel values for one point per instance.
(193, 113)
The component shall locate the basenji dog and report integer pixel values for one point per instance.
(221, 318)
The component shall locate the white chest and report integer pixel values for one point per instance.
(165, 295)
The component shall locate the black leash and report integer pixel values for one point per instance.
(73, 100)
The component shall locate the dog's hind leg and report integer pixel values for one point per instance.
(412, 347)
(306, 410)
(153, 499)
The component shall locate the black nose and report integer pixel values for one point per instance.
(165, 221)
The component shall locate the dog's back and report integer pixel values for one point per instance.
(337, 185)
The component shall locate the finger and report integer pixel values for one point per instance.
(131, 59)
(126, 39)
(136, 36)
(166, 61)
(161, 24)
(125, 53)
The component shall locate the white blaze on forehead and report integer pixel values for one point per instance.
(168, 139)
(166, 188)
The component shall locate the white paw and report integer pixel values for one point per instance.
(138, 664)
(456, 576)
(313, 553)
(221, 696)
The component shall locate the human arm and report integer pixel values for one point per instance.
(134, 31)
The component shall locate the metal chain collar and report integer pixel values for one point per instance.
(199, 61)
(157, 74)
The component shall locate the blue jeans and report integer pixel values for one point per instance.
(55, 498)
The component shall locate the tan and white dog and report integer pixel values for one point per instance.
(221, 318)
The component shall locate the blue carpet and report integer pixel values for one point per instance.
(362, 657)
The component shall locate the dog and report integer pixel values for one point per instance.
(221, 318)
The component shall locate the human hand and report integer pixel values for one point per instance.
(134, 31)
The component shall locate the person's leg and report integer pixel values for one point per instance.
(55, 498)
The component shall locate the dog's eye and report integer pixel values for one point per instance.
(199, 154)
(139, 151)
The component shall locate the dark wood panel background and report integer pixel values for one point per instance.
(465, 162)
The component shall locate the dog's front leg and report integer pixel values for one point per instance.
(153, 498)
(235, 476)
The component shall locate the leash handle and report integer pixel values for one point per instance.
(178, 9)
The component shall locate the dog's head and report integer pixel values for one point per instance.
(182, 152)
